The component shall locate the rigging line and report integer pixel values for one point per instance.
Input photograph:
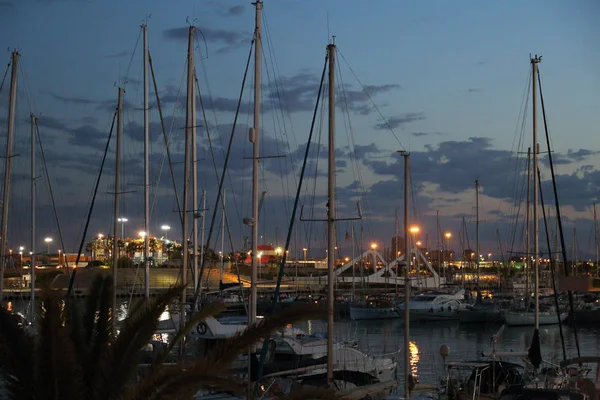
(5, 75)
(551, 265)
(51, 192)
(363, 195)
(289, 234)
(166, 139)
(221, 181)
(276, 126)
(212, 153)
(89, 216)
(217, 125)
(316, 163)
(558, 215)
(131, 59)
(371, 99)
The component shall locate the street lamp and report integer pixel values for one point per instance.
(59, 257)
(142, 234)
(304, 250)
(414, 230)
(448, 236)
(48, 240)
(122, 220)
(21, 248)
(373, 246)
(166, 229)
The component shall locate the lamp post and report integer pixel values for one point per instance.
(166, 228)
(448, 236)
(304, 250)
(48, 240)
(414, 230)
(122, 220)
(59, 257)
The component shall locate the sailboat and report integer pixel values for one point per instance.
(480, 312)
(537, 316)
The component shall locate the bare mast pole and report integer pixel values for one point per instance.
(407, 371)
(534, 63)
(186, 181)
(32, 263)
(528, 228)
(477, 238)
(222, 242)
(595, 238)
(195, 204)
(116, 205)
(7, 165)
(331, 215)
(254, 138)
(146, 169)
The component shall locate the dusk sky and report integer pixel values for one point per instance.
(449, 77)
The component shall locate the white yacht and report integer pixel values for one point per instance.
(435, 306)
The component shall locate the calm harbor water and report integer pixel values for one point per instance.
(466, 341)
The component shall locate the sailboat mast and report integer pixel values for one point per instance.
(222, 242)
(116, 204)
(477, 236)
(146, 169)
(331, 214)
(396, 246)
(596, 237)
(353, 266)
(254, 138)
(203, 214)
(528, 226)
(7, 165)
(194, 173)
(407, 257)
(32, 262)
(534, 63)
(186, 181)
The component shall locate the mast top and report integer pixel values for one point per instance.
(536, 59)
(257, 3)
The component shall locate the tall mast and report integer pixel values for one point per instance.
(407, 372)
(534, 63)
(395, 250)
(194, 172)
(116, 204)
(186, 181)
(202, 213)
(596, 237)
(331, 215)
(222, 243)
(527, 227)
(254, 138)
(32, 245)
(353, 266)
(146, 169)
(477, 236)
(7, 165)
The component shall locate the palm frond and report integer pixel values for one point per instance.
(174, 381)
(16, 356)
(58, 372)
(120, 366)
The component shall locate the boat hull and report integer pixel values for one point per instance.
(362, 313)
(434, 315)
(474, 316)
(513, 318)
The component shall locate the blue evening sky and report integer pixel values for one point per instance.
(449, 76)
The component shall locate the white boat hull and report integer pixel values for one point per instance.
(527, 318)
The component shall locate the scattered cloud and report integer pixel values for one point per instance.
(419, 134)
(396, 122)
(236, 10)
(73, 99)
(474, 90)
(230, 39)
(117, 55)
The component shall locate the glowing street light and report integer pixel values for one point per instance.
(373, 246)
(122, 220)
(166, 228)
(48, 240)
(305, 250)
(142, 234)
(278, 251)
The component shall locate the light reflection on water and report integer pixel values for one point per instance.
(466, 342)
